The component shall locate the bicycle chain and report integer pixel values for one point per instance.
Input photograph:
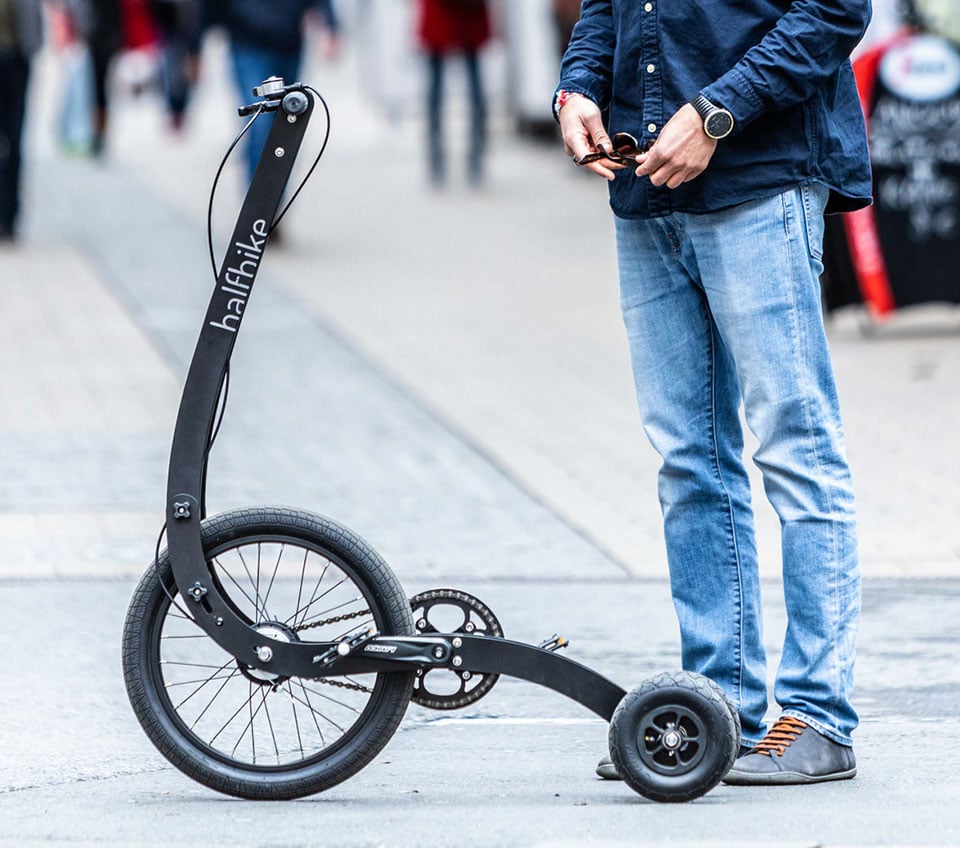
(356, 687)
(334, 620)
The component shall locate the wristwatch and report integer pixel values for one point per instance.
(717, 122)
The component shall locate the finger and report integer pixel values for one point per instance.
(677, 180)
(650, 162)
(578, 145)
(598, 135)
(663, 175)
(601, 170)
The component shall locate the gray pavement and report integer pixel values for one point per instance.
(445, 372)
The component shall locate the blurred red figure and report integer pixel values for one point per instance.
(447, 27)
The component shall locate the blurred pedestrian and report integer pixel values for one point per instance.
(178, 24)
(21, 29)
(267, 39)
(743, 137)
(448, 27)
(99, 25)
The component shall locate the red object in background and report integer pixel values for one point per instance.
(861, 226)
(138, 27)
(449, 25)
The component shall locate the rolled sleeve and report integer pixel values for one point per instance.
(587, 66)
(807, 46)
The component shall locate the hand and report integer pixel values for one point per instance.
(582, 130)
(681, 152)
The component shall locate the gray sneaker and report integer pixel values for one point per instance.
(607, 770)
(793, 752)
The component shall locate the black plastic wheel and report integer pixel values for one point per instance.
(244, 732)
(673, 738)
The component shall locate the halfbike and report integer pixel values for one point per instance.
(270, 653)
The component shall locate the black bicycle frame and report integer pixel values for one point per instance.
(210, 607)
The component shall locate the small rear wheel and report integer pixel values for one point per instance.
(673, 738)
(296, 577)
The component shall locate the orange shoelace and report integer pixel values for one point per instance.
(785, 731)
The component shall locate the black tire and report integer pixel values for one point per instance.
(664, 767)
(299, 754)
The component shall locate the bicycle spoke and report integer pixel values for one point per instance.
(193, 682)
(315, 616)
(216, 695)
(211, 677)
(296, 722)
(315, 712)
(358, 626)
(254, 583)
(314, 600)
(303, 574)
(243, 592)
(332, 700)
(313, 594)
(229, 720)
(273, 736)
(276, 567)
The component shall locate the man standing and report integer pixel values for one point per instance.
(748, 129)
(20, 33)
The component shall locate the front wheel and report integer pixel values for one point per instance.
(294, 576)
(673, 738)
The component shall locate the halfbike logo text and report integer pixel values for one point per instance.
(237, 281)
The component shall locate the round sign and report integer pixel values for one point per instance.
(924, 68)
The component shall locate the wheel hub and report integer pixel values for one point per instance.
(271, 630)
(672, 740)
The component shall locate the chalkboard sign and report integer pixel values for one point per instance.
(906, 248)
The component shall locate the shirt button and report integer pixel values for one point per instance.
(648, 7)
(651, 69)
(651, 128)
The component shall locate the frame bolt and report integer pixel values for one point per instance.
(438, 652)
(457, 662)
(279, 152)
(457, 642)
(264, 653)
(181, 510)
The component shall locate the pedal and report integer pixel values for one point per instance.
(554, 643)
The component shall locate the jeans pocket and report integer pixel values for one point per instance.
(814, 201)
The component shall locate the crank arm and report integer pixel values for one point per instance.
(385, 653)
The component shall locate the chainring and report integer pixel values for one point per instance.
(477, 619)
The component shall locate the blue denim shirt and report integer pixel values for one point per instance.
(781, 68)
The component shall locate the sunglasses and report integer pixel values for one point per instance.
(625, 151)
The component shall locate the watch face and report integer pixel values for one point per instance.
(719, 124)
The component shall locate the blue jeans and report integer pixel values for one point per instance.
(251, 66)
(478, 117)
(720, 309)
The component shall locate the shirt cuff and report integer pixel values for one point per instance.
(734, 92)
(567, 90)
